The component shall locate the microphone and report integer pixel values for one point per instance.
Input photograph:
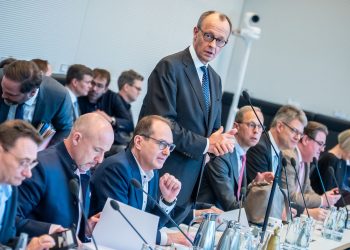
(137, 185)
(74, 189)
(115, 206)
(314, 162)
(284, 164)
(293, 163)
(277, 173)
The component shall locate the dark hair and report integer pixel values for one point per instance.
(102, 73)
(12, 130)
(128, 77)
(25, 72)
(43, 65)
(312, 128)
(6, 62)
(211, 12)
(77, 71)
(144, 126)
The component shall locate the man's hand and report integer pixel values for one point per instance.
(265, 176)
(319, 214)
(56, 229)
(179, 239)
(284, 214)
(213, 209)
(221, 143)
(332, 195)
(40, 243)
(92, 221)
(169, 187)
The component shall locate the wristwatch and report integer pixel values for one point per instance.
(168, 203)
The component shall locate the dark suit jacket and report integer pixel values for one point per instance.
(113, 179)
(53, 105)
(220, 182)
(114, 105)
(45, 198)
(8, 229)
(174, 91)
(259, 158)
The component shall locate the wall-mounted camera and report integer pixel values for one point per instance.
(249, 28)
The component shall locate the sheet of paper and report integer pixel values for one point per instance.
(233, 215)
(114, 232)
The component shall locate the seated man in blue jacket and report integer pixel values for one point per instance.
(18, 150)
(149, 148)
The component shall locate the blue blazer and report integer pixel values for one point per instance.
(45, 198)
(8, 229)
(113, 179)
(53, 105)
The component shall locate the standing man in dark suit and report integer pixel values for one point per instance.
(185, 89)
(46, 203)
(28, 96)
(225, 176)
(287, 128)
(18, 150)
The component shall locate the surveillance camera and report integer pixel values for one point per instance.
(251, 18)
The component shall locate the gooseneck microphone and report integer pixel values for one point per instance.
(243, 193)
(137, 185)
(314, 162)
(284, 164)
(331, 172)
(74, 189)
(294, 163)
(115, 206)
(277, 173)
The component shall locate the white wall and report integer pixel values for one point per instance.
(303, 56)
(116, 35)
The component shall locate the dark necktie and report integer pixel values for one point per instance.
(85, 190)
(205, 87)
(19, 111)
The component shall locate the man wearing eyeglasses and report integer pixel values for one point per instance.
(185, 88)
(115, 107)
(18, 150)
(309, 146)
(225, 176)
(150, 147)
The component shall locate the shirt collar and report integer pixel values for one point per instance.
(5, 190)
(146, 176)
(298, 154)
(73, 97)
(31, 100)
(197, 62)
(239, 150)
(273, 142)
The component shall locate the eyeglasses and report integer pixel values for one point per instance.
(162, 144)
(320, 143)
(137, 88)
(24, 163)
(294, 130)
(209, 37)
(253, 125)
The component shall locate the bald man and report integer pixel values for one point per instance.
(46, 203)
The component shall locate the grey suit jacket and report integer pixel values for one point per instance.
(220, 182)
(174, 91)
(53, 105)
(312, 199)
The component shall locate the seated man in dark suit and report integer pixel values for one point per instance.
(224, 176)
(114, 106)
(34, 98)
(287, 128)
(46, 202)
(150, 147)
(18, 150)
(309, 147)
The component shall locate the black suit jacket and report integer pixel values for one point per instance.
(8, 230)
(259, 158)
(220, 182)
(174, 91)
(46, 198)
(53, 105)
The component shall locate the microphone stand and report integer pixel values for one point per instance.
(277, 173)
(314, 161)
